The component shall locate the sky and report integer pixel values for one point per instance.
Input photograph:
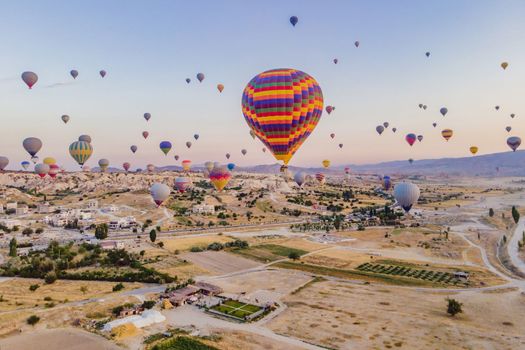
(149, 48)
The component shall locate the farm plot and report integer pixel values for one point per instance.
(428, 275)
(236, 309)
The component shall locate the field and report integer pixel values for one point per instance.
(398, 270)
(267, 252)
(219, 262)
(236, 308)
(185, 243)
(343, 316)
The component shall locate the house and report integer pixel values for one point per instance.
(45, 208)
(462, 276)
(127, 222)
(147, 318)
(208, 288)
(203, 209)
(111, 209)
(181, 296)
(22, 209)
(191, 293)
(92, 204)
(11, 205)
(108, 245)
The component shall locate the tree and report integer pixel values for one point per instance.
(117, 287)
(454, 307)
(32, 320)
(148, 304)
(50, 277)
(27, 231)
(101, 232)
(515, 214)
(34, 287)
(491, 212)
(12, 247)
(294, 255)
(153, 235)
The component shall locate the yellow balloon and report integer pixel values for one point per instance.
(49, 160)
(504, 65)
(474, 149)
(326, 163)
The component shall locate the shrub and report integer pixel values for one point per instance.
(148, 304)
(32, 320)
(50, 277)
(34, 287)
(453, 307)
(117, 287)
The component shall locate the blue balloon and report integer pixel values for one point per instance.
(294, 20)
(231, 166)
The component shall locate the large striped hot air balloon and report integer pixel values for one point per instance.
(219, 177)
(320, 177)
(447, 134)
(53, 170)
(186, 165)
(165, 147)
(103, 164)
(387, 183)
(80, 151)
(182, 184)
(282, 107)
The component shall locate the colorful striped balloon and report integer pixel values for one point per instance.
(80, 151)
(219, 177)
(186, 165)
(447, 134)
(282, 107)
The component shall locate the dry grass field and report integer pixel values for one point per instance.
(185, 243)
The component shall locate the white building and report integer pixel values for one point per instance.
(11, 205)
(22, 209)
(147, 318)
(127, 222)
(92, 204)
(110, 209)
(203, 209)
(45, 208)
(108, 245)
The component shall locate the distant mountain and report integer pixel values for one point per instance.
(496, 164)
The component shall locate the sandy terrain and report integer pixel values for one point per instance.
(345, 316)
(185, 243)
(219, 262)
(66, 339)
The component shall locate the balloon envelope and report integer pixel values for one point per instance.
(145, 134)
(182, 183)
(102, 73)
(103, 164)
(49, 160)
(410, 138)
(126, 166)
(380, 129)
(85, 138)
(282, 107)
(147, 116)
(25, 164)
(80, 151)
(65, 118)
(200, 77)
(443, 111)
(219, 177)
(29, 78)
(133, 148)
(447, 134)
(165, 147)
(186, 165)
(42, 169)
(74, 73)
(326, 163)
(299, 178)
(473, 149)
(4, 161)
(386, 182)
(220, 87)
(406, 195)
(230, 166)
(32, 145)
(514, 142)
(188, 144)
(294, 20)
(159, 193)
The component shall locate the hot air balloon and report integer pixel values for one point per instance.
(85, 138)
(219, 177)
(424, 107)
(133, 148)
(299, 178)
(196, 137)
(208, 165)
(53, 170)
(227, 156)
(514, 142)
(356, 44)
(186, 165)
(145, 134)
(434, 124)
(473, 149)
(386, 182)
(182, 183)
(320, 178)
(410, 138)
(443, 111)
(103, 164)
(326, 163)
(427, 54)
(420, 138)
(165, 147)
(102, 73)
(3, 162)
(504, 65)
(159, 193)
(126, 166)
(508, 128)
(497, 108)
(176, 157)
(65, 118)
(347, 170)
(188, 80)
(74, 73)
(380, 129)
(406, 195)
(332, 135)
(25, 164)
(80, 151)
(243, 151)
(264, 150)
(49, 160)
(220, 87)
(270, 104)
(147, 116)
(188, 144)
(34, 159)
(394, 130)
(386, 124)
(512, 115)
(86, 168)
(41, 169)
(336, 60)
(410, 160)
(230, 166)
(200, 77)
(340, 145)
(447, 134)
(150, 168)
(420, 105)
(294, 20)
(29, 78)
(32, 145)
(329, 109)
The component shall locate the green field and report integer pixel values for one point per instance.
(236, 308)
(405, 271)
(267, 252)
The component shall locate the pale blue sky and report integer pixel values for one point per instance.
(148, 48)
